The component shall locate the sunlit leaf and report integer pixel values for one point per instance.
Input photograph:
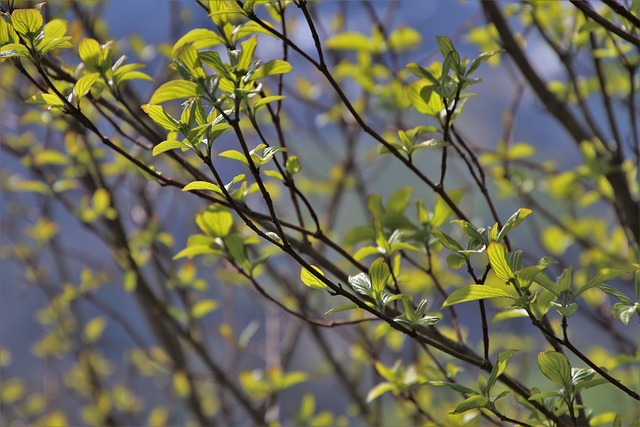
(202, 185)
(175, 89)
(310, 280)
(473, 293)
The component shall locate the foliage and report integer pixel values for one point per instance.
(392, 214)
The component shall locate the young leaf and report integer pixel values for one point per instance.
(555, 366)
(175, 89)
(202, 185)
(473, 402)
(499, 367)
(273, 67)
(473, 293)
(379, 273)
(267, 100)
(497, 253)
(204, 307)
(343, 307)
(27, 22)
(513, 222)
(168, 145)
(310, 279)
(157, 114)
(84, 83)
(235, 155)
(200, 38)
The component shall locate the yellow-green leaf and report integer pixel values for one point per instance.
(94, 328)
(26, 21)
(404, 38)
(202, 185)
(49, 157)
(310, 280)
(181, 384)
(175, 89)
(157, 114)
(91, 54)
(497, 253)
(200, 38)
(46, 99)
(84, 83)
(473, 293)
(275, 66)
(350, 41)
(168, 145)
(55, 28)
(202, 308)
(268, 99)
(555, 366)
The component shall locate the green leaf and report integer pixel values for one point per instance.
(499, 367)
(235, 155)
(55, 28)
(545, 395)
(379, 273)
(473, 402)
(267, 100)
(441, 210)
(479, 60)
(378, 390)
(192, 251)
(84, 83)
(215, 221)
(202, 185)
(446, 240)
(349, 41)
(204, 307)
(399, 200)
(446, 46)
(14, 49)
(514, 221)
(27, 22)
(343, 307)
(293, 164)
(175, 89)
(555, 366)
(624, 311)
(188, 58)
(273, 67)
(234, 243)
(456, 260)
(565, 281)
(199, 38)
(46, 99)
(248, 48)
(454, 386)
(168, 145)
(471, 231)
(497, 254)
(610, 290)
(91, 54)
(473, 293)
(158, 115)
(310, 279)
